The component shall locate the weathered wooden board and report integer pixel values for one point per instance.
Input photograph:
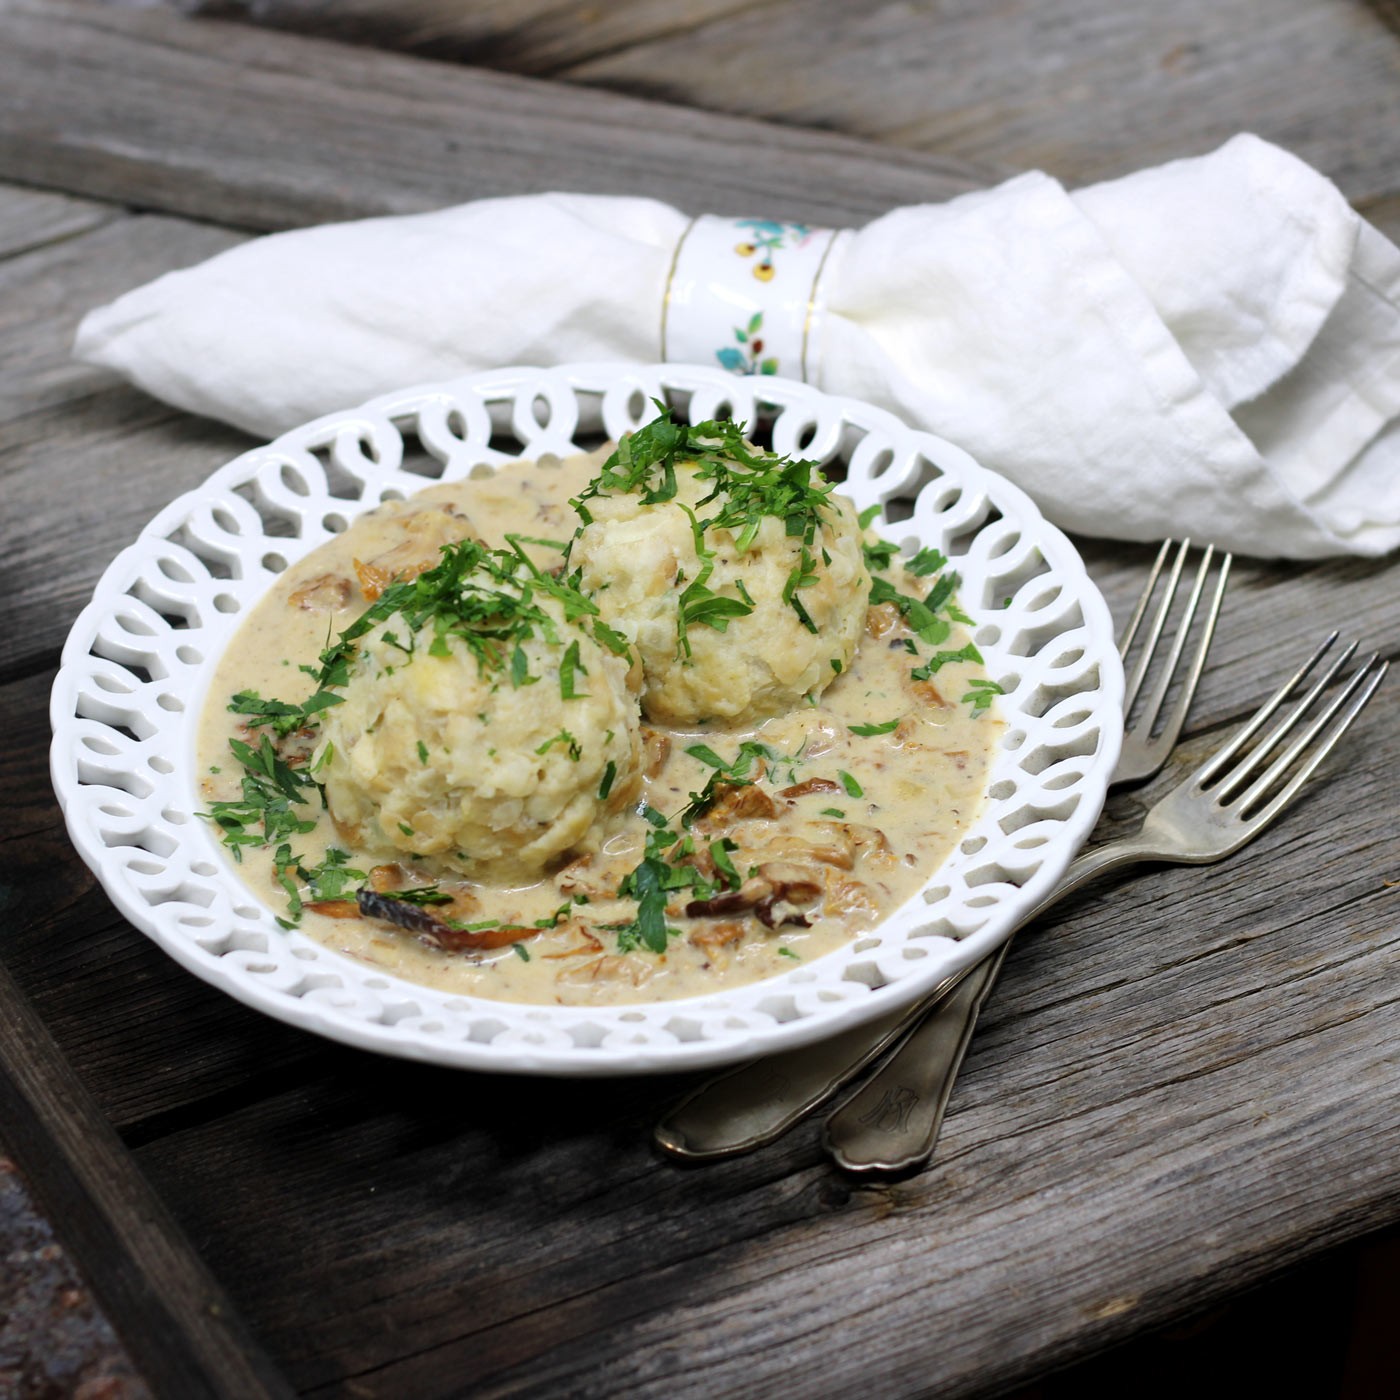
(173, 1317)
(1186, 1082)
(1079, 88)
(258, 130)
(93, 979)
(520, 1232)
(1239, 1076)
(1083, 90)
(514, 36)
(33, 218)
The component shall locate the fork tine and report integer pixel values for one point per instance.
(1358, 687)
(1237, 777)
(1212, 767)
(1159, 621)
(1144, 599)
(1187, 693)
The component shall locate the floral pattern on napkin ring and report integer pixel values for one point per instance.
(745, 293)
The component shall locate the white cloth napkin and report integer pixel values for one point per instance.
(1208, 348)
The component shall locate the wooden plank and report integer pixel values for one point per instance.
(1083, 91)
(44, 293)
(1151, 1122)
(529, 1238)
(1070, 86)
(513, 36)
(33, 218)
(257, 130)
(92, 977)
(175, 1320)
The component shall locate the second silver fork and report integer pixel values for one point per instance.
(758, 1102)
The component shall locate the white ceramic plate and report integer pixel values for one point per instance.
(138, 662)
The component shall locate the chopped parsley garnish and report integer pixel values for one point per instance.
(833, 812)
(271, 788)
(719, 853)
(570, 666)
(487, 600)
(746, 485)
(609, 775)
(931, 619)
(422, 752)
(333, 876)
(285, 718)
(866, 730)
(925, 562)
(575, 750)
(941, 658)
(418, 894)
(981, 692)
(879, 555)
(852, 787)
(647, 884)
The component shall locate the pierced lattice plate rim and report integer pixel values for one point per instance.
(139, 660)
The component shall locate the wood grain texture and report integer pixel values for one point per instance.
(1082, 89)
(514, 36)
(1151, 1121)
(1186, 1082)
(522, 1233)
(175, 1320)
(257, 130)
(33, 218)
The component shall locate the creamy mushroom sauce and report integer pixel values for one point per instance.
(920, 785)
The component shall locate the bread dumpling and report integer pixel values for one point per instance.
(738, 575)
(484, 724)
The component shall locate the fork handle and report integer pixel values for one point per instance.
(751, 1106)
(891, 1123)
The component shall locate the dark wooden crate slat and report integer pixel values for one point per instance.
(256, 130)
(173, 1317)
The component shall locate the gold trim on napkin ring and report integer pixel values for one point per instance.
(671, 281)
(814, 304)
(745, 293)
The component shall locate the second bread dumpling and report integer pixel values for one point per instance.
(737, 574)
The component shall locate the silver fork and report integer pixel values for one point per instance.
(1225, 803)
(758, 1102)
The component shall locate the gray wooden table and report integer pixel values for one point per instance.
(1187, 1082)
